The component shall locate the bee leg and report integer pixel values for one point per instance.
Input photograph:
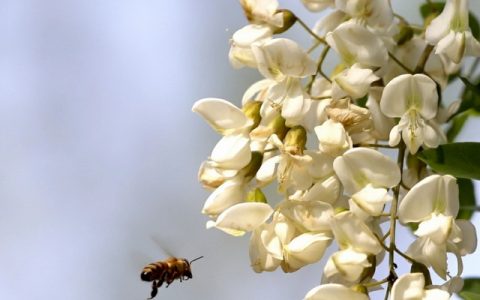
(154, 291)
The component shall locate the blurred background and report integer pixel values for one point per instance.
(99, 150)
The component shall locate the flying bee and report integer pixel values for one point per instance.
(167, 271)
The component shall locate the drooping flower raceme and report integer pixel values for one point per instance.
(318, 138)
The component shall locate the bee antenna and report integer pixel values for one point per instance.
(195, 259)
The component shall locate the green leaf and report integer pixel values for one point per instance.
(467, 198)
(457, 159)
(471, 289)
(470, 97)
(474, 25)
(428, 9)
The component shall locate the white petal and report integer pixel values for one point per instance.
(243, 217)
(229, 193)
(263, 240)
(440, 26)
(354, 82)
(436, 228)
(268, 170)
(334, 291)
(221, 115)
(305, 249)
(232, 152)
(409, 286)
(371, 200)
(282, 57)
(359, 167)
(350, 231)
(453, 46)
(255, 89)
(436, 294)
(408, 91)
(468, 244)
(437, 193)
(311, 215)
(356, 44)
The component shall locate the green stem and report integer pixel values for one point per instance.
(376, 283)
(322, 57)
(474, 208)
(404, 255)
(399, 63)
(393, 221)
(423, 59)
(305, 26)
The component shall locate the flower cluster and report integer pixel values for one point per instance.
(316, 137)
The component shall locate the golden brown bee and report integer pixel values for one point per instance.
(167, 271)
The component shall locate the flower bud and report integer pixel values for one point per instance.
(256, 195)
(404, 35)
(295, 140)
(288, 20)
(277, 126)
(252, 111)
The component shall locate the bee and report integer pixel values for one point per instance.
(167, 271)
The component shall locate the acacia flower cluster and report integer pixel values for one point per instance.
(316, 137)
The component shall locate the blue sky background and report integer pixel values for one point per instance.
(99, 149)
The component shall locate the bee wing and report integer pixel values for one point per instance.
(162, 244)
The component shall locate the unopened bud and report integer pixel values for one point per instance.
(421, 268)
(288, 20)
(256, 195)
(252, 111)
(255, 163)
(295, 140)
(404, 34)
(277, 126)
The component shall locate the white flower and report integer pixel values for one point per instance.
(451, 34)
(359, 167)
(292, 168)
(350, 232)
(375, 12)
(233, 150)
(240, 48)
(413, 98)
(242, 217)
(262, 12)
(412, 286)
(312, 216)
(354, 82)
(438, 230)
(334, 291)
(348, 265)
(229, 193)
(283, 61)
(305, 249)
(281, 58)
(333, 139)
(356, 44)
(265, 248)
